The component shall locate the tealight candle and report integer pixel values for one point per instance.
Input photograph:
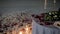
(20, 32)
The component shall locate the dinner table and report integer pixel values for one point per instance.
(40, 29)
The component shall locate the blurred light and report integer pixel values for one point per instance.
(20, 32)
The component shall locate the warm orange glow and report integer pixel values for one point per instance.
(20, 32)
(27, 29)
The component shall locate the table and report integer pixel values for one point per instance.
(39, 29)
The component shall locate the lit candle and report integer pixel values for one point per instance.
(20, 32)
(27, 29)
(13, 32)
(45, 4)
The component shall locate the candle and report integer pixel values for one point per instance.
(54, 1)
(27, 30)
(54, 4)
(45, 4)
(14, 32)
(20, 32)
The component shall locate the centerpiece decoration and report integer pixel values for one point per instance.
(48, 18)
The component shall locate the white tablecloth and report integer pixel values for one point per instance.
(38, 29)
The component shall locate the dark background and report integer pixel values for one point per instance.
(32, 6)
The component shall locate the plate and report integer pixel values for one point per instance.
(57, 24)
